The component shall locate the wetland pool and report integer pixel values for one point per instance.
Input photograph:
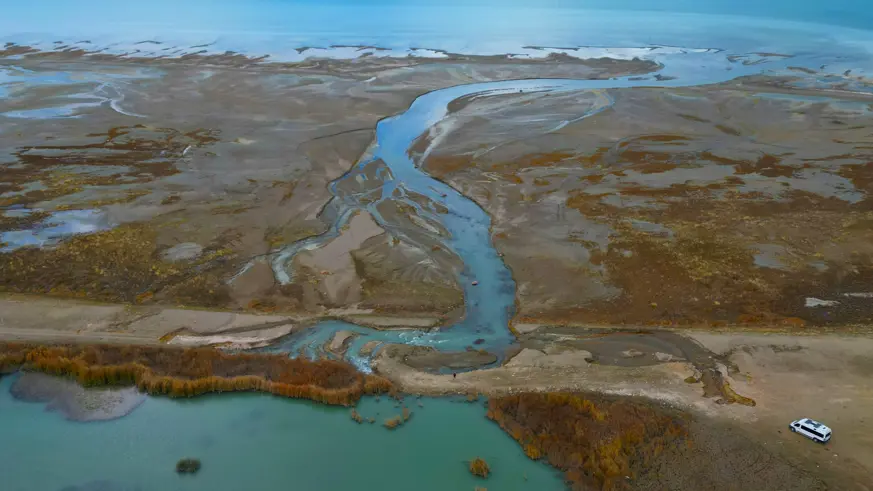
(255, 441)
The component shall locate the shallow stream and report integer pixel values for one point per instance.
(489, 290)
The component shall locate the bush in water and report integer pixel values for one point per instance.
(479, 467)
(187, 466)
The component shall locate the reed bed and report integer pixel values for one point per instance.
(598, 441)
(189, 372)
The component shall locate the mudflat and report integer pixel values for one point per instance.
(175, 182)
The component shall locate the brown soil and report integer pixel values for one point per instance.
(724, 457)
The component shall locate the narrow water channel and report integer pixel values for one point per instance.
(488, 286)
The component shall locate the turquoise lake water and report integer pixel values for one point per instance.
(279, 27)
(261, 443)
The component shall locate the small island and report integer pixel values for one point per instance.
(478, 467)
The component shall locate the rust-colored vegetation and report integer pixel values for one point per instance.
(478, 467)
(118, 265)
(441, 166)
(596, 441)
(396, 421)
(136, 155)
(177, 372)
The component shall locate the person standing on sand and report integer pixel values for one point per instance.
(454, 375)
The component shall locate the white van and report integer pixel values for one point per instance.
(811, 429)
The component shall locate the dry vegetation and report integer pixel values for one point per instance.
(118, 265)
(689, 232)
(596, 441)
(396, 421)
(195, 371)
(478, 467)
(131, 155)
(393, 422)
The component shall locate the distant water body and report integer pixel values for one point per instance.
(280, 27)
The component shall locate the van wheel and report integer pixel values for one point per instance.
(793, 429)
